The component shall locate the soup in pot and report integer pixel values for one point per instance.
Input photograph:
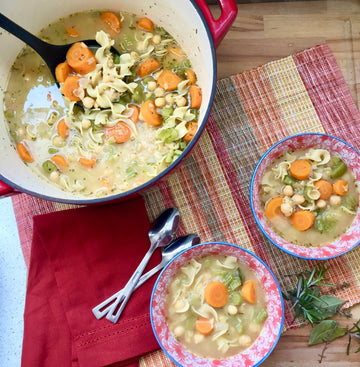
(309, 196)
(117, 120)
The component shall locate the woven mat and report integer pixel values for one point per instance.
(252, 110)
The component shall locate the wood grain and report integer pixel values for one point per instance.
(266, 31)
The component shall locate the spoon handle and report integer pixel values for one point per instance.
(131, 284)
(99, 311)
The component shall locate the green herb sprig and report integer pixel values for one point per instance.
(308, 301)
(354, 332)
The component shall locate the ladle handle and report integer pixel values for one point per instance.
(36, 43)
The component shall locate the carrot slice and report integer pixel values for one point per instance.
(216, 294)
(112, 20)
(340, 187)
(24, 152)
(121, 132)
(168, 80)
(325, 189)
(190, 76)
(136, 112)
(72, 32)
(204, 326)
(248, 291)
(148, 66)
(60, 161)
(87, 162)
(71, 88)
(300, 169)
(302, 220)
(273, 207)
(195, 96)
(149, 113)
(192, 127)
(81, 58)
(62, 71)
(63, 128)
(146, 23)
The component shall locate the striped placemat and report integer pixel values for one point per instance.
(253, 110)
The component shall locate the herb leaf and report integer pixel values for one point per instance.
(326, 331)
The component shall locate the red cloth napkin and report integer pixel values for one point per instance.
(79, 257)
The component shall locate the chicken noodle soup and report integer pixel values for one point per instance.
(215, 306)
(122, 119)
(309, 196)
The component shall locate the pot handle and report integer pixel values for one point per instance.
(6, 190)
(220, 26)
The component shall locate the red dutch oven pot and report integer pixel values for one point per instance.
(189, 21)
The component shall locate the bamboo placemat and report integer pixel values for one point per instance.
(253, 110)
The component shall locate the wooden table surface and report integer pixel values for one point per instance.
(266, 31)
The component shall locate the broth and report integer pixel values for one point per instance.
(235, 323)
(92, 163)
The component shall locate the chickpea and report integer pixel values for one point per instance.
(179, 331)
(88, 102)
(160, 102)
(159, 92)
(156, 39)
(58, 141)
(134, 55)
(169, 98)
(321, 204)
(151, 86)
(198, 338)
(179, 304)
(298, 199)
(181, 101)
(288, 190)
(245, 340)
(335, 200)
(54, 176)
(232, 310)
(286, 207)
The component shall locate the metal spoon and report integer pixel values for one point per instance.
(161, 234)
(109, 306)
(51, 54)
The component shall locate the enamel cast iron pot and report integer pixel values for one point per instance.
(191, 24)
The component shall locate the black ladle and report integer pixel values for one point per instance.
(51, 54)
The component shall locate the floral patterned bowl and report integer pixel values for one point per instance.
(336, 146)
(262, 346)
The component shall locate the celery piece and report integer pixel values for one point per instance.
(195, 111)
(190, 322)
(169, 156)
(239, 325)
(324, 222)
(236, 298)
(228, 279)
(339, 167)
(127, 42)
(261, 316)
(138, 95)
(289, 180)
(9, 114)
(166, 112)
(130, 173)
(49, 167)
(168, 135)
(234, 284)
(350, 203)
(116, 58)
(52, 150)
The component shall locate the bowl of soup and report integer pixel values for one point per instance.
(304, 196)
(118, 123)
(217, 304)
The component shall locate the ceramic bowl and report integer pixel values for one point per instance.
(336, 146)
(262, 346)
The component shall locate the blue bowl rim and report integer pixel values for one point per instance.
(225, 244)
(252, 189)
